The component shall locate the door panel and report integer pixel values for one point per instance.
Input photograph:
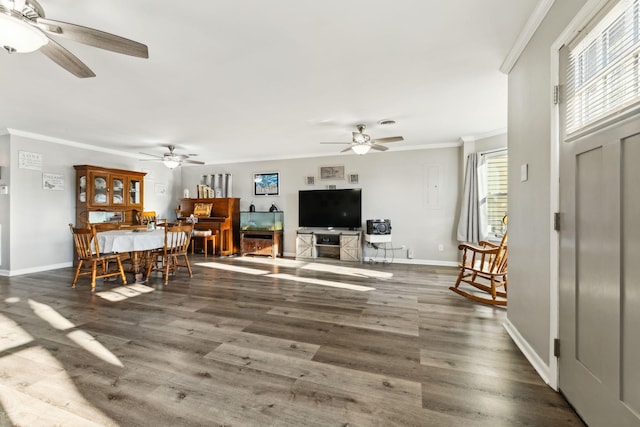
(597, 298)
(600, 275)
(631, 273)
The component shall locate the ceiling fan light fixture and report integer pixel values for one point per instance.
(358, 138)
(361, 149)
(171, 163)
(16, 35)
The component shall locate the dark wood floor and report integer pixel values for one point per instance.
(249, 343)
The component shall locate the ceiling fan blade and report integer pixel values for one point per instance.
(336, 143)
(345, 150)
(379, 147)
(389, 139)
(152, 155)
(93, 37)
(195, 162)
(66, 60)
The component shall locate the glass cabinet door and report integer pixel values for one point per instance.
(82, 188)
(117, 190)
(135, 194)
(100, 189)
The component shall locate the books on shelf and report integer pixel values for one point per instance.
(205, 192)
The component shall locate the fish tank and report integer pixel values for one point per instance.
(264, 221)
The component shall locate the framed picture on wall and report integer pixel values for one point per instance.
(266, 184)
(332, 173)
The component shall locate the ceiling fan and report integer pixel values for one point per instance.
(362, 142)
(171, 159)
(24, 28)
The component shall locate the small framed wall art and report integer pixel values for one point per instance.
(331, 173)
(266, 184)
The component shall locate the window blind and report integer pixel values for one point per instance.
(603, 79)
(497, 191)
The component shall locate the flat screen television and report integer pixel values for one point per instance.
(330, 208)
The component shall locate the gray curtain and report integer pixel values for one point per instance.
(472, 225)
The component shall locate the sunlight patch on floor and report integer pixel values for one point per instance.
(94, 347)
(42, 393)
(349, 271)
(235, 268)
(50, 315)
(280, 262)
(122, 293)
(311, 281)
(314, 266)
(81, 338)
(35, 389)
(12, 335)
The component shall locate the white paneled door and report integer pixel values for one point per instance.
(599, 370)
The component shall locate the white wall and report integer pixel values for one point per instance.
(530, 106)
(5, 218)
(416, 190)
(38, 236)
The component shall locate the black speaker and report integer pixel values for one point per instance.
(378, 226)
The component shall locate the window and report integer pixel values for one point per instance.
(497, 190)
(603, 74)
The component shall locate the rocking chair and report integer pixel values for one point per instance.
(485, 268)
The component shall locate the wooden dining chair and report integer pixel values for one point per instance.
(485, 268)
(125, 257)
(147, 217)
(105, 226)
(174, 254)
(90, 260)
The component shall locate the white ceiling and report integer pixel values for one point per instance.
(238, 80)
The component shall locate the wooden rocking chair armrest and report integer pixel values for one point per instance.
(486, 244)
(480, 249)
(477, 250)
(465, 246)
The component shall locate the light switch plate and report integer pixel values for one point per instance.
(524, 172)
(4, 189)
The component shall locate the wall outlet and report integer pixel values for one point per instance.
(441, 247)
(409, 253)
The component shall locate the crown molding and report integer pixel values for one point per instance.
(55, 140)
(527, 32)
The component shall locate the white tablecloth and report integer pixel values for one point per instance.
(129, 240)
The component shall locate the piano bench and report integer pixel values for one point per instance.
(205, 238)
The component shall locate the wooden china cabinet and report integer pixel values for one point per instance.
(108, 195)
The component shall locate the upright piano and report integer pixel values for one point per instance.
(224, 221)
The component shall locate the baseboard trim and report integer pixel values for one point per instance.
(38, 269)
(538, 364)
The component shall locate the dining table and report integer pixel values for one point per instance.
(137, 242)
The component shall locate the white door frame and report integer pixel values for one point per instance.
(588, 11)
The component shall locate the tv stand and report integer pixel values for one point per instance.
(337, 244)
